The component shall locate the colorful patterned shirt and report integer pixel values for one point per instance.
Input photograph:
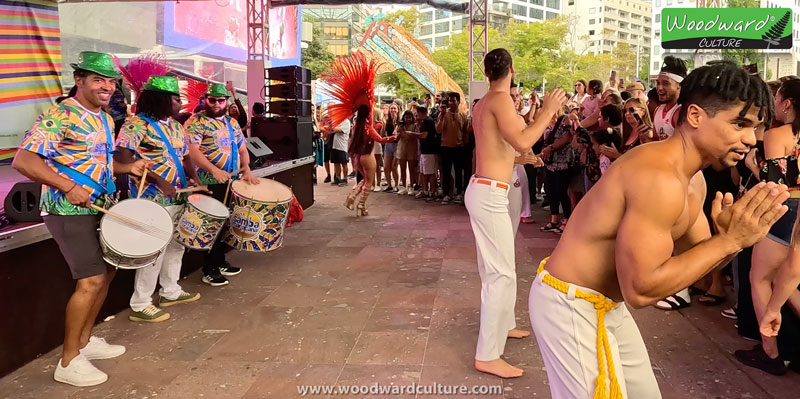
(73, 136)
(141, 138)
(214, 139)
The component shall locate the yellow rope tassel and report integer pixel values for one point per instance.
(601, 306)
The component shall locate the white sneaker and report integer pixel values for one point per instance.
(80, 372)
(401, 191)
(411, 191)
(97, 348)
(376, 189)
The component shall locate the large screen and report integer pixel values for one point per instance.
(219, 28)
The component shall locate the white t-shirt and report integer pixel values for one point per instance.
(663, 122)
(340, 140)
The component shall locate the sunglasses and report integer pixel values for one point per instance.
(631, 110)
(216, 100)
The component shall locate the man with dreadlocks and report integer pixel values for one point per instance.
(668, 88)
(616, 249)
(352, 81)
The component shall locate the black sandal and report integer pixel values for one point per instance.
(550, 226)
(672, 302)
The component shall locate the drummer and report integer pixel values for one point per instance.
(217, 147)
(68, 150)
(152, 134)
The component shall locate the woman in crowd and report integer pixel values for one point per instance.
(556, 156)
(580, 94)
(390, 149)
(407, 152)
(377, 123)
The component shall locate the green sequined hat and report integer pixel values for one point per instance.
(166, 84)
(217, 90)
(99, 63)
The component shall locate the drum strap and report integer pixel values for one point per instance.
(85, 180)
(170, 149)
(232, 165)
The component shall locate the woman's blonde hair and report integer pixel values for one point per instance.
(377, 114)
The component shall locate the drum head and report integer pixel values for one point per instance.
(209, 205)
(268, 191)
(132, 240)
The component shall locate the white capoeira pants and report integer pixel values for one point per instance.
(566, 331)
(519, 197)
(166, 271)
(487, 202)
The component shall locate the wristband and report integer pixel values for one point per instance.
(71, 188)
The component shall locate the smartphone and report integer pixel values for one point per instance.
(638, 118)
(614, 75)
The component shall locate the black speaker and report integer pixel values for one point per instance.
(288, 138)
(289, 108)
(22, 202)
(290, 91)
(290, 74)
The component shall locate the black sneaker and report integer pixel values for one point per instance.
(335, 181)
(327, 180)
(343, 183)
(388, 189)
(229, 270)
(214, 278)
(757, 358)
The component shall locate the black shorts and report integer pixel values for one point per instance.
(78, 240)
(338, 156)
(781, 231)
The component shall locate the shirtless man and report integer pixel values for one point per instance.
(499, 134)
(616, 248)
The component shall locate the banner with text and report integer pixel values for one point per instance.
(726, 28)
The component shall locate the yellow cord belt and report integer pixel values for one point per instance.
(601, 305)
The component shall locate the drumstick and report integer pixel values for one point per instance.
(141, 184)
(130, 221)
(228, 189)
(191, 189)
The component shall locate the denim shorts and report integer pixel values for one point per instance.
(781, 231)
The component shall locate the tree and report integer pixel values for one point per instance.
(407, 18)
(316, 56)
(403, 85)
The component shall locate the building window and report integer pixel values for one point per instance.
(428, 43)
(441, 41)
(669, 2)
(572, 2)
(442, 27)
(426, 30)
(551, 15)
(441, 14)
(537, 14)
(427, 16)
(592, 10)
(658, 18)
(591, 32)
(591, 22)
(656, 65)
(554, 4)
(537, 2)
(459, 24)
(518, 10)
(658, 3)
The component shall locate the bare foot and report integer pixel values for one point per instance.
(516, 333)
(498, 367)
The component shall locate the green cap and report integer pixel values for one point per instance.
(166, 84)
(217, 90)
(99, 63)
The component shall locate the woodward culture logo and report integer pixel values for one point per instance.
(726, 28)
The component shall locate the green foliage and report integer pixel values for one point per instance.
(407, 18)
(402, 84)
(316, 56)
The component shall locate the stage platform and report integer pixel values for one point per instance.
(391, 299)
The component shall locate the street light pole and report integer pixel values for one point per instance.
(638, 46)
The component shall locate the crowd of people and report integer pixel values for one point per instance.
(431, 158)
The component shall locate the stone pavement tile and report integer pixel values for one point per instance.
(399, 347)
(714, 372)
(342, 240)
(407, 298)
(459, 280)
(386, 241)
(183, 346)
(451, 346)
(532, 384)
(341, 296)
(458, 298)
(392, 380)
(362, 279)
(467, 319)
(462, 252)
(133, 378)
(317, 346)
(412, 278)
(292, 294)
(390, 319)
(430, 233)
(423, 253)
(214, 379)
(464, 226)
(242, 291)
(201, 316)
(335, 318)
(274, 318)
(460, 265)
(459, 381)
(35, 380)
(249, 344)
(309, 277)
(422, 242)
(280, 380)
(419, 264)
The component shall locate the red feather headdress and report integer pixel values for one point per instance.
(192, 92)
(352, 82)
(141, 68)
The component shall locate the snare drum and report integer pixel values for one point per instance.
(259, 215)
(201, 222)
(129, 246)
